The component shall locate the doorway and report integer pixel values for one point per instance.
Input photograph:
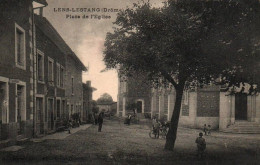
(139, 105)
(40, 114)
(20, 107)
(50, 114)
(3, 108)
(241, 106)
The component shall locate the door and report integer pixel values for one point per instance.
(241, 106)
(19, 109)
(139, 106)
(40, 111)
(2, 102)
(50, 114)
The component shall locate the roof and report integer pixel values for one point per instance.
(41, 2)
(106, 103)
(46, 27)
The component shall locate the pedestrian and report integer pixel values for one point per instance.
(69, 126)
(129, 119)
(209, 129)
(201, 145)
(205, 129)
(100, 121)
(154, 122)
(157, 128)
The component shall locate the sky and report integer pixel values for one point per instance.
(86, 36)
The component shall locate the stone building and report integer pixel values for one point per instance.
(73, 84)
(209, 105)
(107, 107)
(50, 74)
(40, 76)
(133, 90)
(87, 100)
(17, 68)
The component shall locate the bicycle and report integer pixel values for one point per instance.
(163, 130)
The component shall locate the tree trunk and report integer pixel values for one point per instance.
(172, 133)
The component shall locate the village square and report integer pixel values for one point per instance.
(151, 82)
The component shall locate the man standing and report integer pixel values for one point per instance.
(201, 145)
(100, 121)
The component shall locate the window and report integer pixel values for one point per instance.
(40, 66)
(58, 75)
(20, 47)
(72, 85)
(186, 97)
(61, 76)
(50, 71)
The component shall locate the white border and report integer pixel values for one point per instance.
(24, 47)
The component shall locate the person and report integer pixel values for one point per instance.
(96, 118)
(157, 128)
(129, 119)
(201, 145)
(154, 122)
(100, 121)
(205, 129)
(69, 126)
(209, 129)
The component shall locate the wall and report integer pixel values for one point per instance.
(73, 70)
(131, 90)
(87, 100)
(18, 12)
(47, 88)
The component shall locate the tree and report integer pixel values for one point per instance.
(105, 98)
(187, 42)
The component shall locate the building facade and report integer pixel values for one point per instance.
(16, 69)
(133, 90)
(73, 85)
(50, 73)
(87, 100)
(107, 107)
(40, 76)
(210, 105)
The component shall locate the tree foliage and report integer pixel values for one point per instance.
(105, 98)
(187, 43)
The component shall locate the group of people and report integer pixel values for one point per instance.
(207, 129)
(156, 127)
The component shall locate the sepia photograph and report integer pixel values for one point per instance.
(140, 82)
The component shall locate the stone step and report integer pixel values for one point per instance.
(22, 141)
(5, 143)
(244, 127)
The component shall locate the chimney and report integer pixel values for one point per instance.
(41, 11)
(88, 83)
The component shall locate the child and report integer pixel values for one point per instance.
(209, 129)
(205, 129)
(157, 128)
(69, 126)
(201, 145)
